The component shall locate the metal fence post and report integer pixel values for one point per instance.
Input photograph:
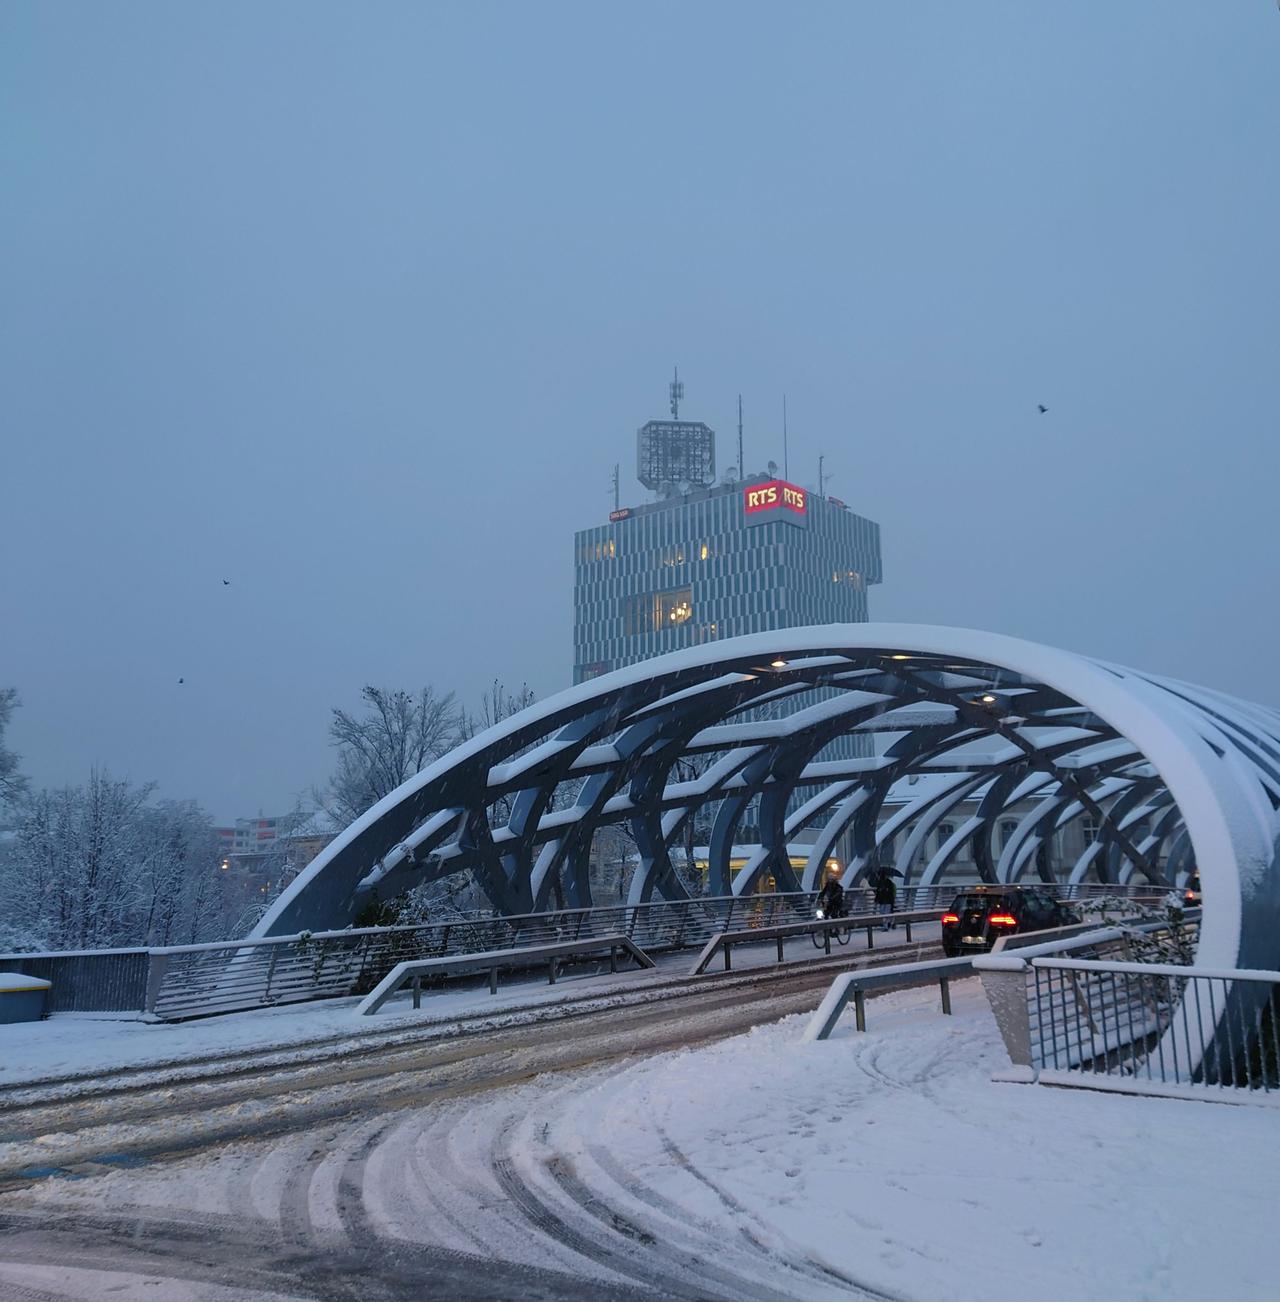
(945, 982)
(1006, 990)
(417, 991)
(860, 1008)
(157, 966)
(271, 967)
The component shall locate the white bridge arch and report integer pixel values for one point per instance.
(1173, 777)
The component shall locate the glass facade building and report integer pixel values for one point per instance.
(743, 557)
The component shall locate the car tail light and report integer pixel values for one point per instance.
(949, 918)
(1002, 920)
(1189, 895)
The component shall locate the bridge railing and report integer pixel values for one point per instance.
(1154, 1024)
(1109, 1004)
(195, 980)
(225, 976)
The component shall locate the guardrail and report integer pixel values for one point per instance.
(823, 930)
(224, 976)
(854, 985)
(493, 961)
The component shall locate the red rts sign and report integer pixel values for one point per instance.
(776, 493)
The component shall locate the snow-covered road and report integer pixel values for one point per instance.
(883, 1165)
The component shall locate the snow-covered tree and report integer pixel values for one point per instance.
(12, 784)
(177, 895)
(99, 866)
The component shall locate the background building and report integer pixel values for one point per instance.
(708, 561)
(262, 854)
(256, 835)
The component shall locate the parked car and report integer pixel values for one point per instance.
(980, 915)
(1191, 891)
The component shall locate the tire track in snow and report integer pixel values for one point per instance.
(621, 1260)
(827, 1274)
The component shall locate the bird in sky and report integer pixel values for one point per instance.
(1040, 407)
(226, 583)
(182, 680)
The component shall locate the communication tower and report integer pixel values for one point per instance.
(673, 456)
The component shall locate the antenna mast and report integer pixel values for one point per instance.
(786, 472)
(617, 490)
(821, 459)
(677, 392)
(742, 469)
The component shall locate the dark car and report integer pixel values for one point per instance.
(980, 915)
(1191, 891)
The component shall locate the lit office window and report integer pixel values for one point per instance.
(651, 611)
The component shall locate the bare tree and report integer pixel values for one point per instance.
(497, 704)
(396, 736)
(12, 784)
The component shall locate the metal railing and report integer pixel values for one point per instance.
(195, 980)
(1156, 1023)
(1081, 1010)
(225, 976)
(822, 931)
(854, 985)
(88, 980)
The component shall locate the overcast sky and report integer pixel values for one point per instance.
(356, 306)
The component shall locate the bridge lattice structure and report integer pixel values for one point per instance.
(737, 735)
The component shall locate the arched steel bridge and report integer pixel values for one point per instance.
(737, 732)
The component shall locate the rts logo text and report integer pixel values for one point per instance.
(770, 496)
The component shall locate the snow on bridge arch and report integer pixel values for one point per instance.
(974, 743)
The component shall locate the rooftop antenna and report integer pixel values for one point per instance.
(821, 459)
(742, 465)
(617, 489)
(786, 472)
(677, 392)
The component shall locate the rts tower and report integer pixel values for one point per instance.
(706, 560)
